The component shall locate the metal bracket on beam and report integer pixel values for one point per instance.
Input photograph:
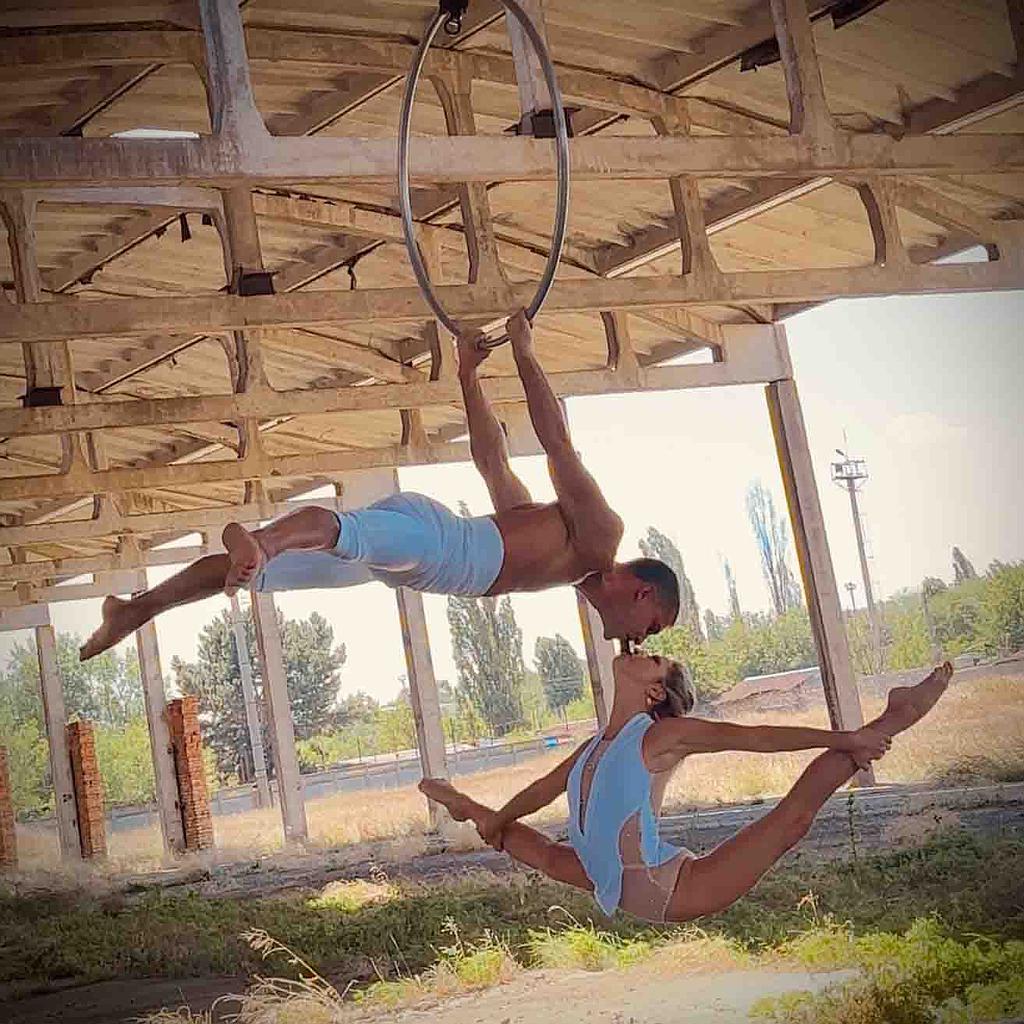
(41, 396)
(541, 124)
(252, 282)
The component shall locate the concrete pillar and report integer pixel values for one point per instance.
(426, 707)
(252, 705)
(55, 718)
(88, 784)
(819, 579)
(533, 87)
(279, 718)
(8, 836)
(600, 654)
(162, 752)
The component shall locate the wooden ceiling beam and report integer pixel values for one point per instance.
(32, 164)
(215, 314)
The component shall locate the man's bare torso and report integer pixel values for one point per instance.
(539, 550)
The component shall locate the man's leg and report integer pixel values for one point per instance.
(247, 551)
(524, 844)
(203, 578)
(711, 883)
(486, 438)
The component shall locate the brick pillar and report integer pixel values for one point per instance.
(88, 786)
(8, 840)
(183, 719)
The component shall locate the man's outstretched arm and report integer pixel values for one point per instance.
(487, 442)
(595, 528)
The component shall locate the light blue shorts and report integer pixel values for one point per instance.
(404, 540)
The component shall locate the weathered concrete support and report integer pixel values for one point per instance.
(55, 718)
(279, 718)
(426, 707)
(252, 705)
(600, 654)
(161, 750)
(820, 588)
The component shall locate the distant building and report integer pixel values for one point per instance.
(780, 691)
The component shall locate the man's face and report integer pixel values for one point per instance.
(634, 616)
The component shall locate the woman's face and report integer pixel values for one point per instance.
(642, 673)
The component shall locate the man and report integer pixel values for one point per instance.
(408, 540)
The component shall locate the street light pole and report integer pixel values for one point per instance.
(849, 473)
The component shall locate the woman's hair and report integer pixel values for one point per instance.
(680, 693)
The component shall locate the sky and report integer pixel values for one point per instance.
(928, 390)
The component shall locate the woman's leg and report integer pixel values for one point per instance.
(711, 883)
(202, 578)
(524, 844)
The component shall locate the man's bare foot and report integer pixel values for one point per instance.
(909, 704)
(118, 622)
(246, 555)
(460, 806)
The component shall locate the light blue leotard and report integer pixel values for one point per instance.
(620, 791)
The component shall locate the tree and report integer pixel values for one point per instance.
(735, 611)
(962, 568)
(312, 667)
(772, 535)
(713, 625)
(488, 648)
(560, 671)
(1002, 610)
(657, 545)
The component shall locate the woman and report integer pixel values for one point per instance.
(617, 780)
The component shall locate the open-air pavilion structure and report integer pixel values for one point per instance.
(201, 328)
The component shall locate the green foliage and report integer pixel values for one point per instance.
(753, 645)
(1001, 622)
(106, 690)
(27, 763)
(312, 667)
(126, 763)
(560, 671)
(584, 947)
(657, 545)
(771, 532)
(919, 977)
(488, 648)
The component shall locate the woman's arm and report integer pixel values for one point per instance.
(537, 795)
(673, 738)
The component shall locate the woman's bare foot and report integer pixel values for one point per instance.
(245, 554)
(460, 806)
(118, 621)
(909, 704)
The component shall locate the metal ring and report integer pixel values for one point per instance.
(561, 153)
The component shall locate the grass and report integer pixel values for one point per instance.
(975, 735)
(920, 977)
(361, 935)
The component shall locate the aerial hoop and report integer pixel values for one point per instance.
(449, 16)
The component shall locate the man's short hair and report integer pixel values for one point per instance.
(662, 578)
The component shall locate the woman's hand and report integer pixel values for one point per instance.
(868, 744)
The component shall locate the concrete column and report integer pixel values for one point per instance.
(168, 802)
(600, 654)
(819, 579)
(426, 707)
(533, 87)
(55, 718)
(252, 705)
(279, 718)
